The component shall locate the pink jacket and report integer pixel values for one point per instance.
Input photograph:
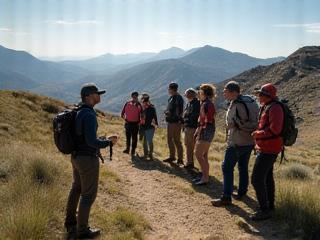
(131, 111)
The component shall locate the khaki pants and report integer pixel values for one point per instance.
(84, 188)
(189, 143)
(174, 140)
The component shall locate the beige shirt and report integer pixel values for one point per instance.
(237, 133)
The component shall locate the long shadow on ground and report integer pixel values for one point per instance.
(213, 190)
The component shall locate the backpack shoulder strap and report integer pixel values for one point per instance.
(239, 100)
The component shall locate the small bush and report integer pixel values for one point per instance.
(49, 107)
(123, 224)
(299, 206)
(297, 171)
(316, 170)
(42, 171)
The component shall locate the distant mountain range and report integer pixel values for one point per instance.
(121, 74)
(297, 79)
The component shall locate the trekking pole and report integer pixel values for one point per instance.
(111, 151)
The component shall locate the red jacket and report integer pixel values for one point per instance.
(207, 113)
(131, 112)
(267, 137)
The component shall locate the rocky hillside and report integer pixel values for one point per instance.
(297, 79)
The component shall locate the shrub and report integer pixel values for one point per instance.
(297, 171)
(123, 224)
(28, 208)
(49, 107)
(298, 205)
(42, 171)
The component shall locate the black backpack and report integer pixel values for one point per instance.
(289, 131)
(64, 130)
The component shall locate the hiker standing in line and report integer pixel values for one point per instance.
(148, 125)
(205, 131)
(175, 122)
(131, 113)
(85, 165)
(190, 119)
(241, 121)
(269, 144)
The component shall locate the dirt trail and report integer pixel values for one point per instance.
(164, 195)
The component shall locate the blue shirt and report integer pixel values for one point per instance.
(86, 126)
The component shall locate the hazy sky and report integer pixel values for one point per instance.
(261, 28)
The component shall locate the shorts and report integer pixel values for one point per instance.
(207, 133)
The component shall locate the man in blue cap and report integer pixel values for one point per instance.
(85, 165)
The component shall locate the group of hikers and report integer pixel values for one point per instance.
(248, 127)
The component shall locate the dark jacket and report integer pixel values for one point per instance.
(86, 127)
(191, 114)
(148, 116)
(175, 109)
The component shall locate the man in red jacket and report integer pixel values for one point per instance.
(131, 113)
(269, 144)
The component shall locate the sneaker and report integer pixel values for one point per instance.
(126, 151)
(239, 197)
(197, 178)
(144, 157)
(261, 215)
(221, 202)
(189, 166)
(169, 160)
(89, 233)
(201, 183)
(180, 162)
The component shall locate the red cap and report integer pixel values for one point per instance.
(269, 90)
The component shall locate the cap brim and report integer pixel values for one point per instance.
(100, 92)
(262, 92)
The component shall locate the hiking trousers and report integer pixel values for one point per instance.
(236, 155)
(189, 143)
(174, 140)
(84, 188)
(263, 181)
(148, 141)
(132, 130)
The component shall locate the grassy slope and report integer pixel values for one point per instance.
(29, 160)
(35, 177)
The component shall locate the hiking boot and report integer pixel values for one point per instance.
(180, 162)
(189, 166)
(151, 156)
(261, 215)
(169, 160)
(126, 151)
(239, 197)
(221, 202)
(71, 232)
(89, 233)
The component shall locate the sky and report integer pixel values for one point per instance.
(87, 28)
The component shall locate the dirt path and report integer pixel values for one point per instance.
(164, 195)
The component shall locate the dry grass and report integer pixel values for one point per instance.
(298, 181)
(298, 203)
(122, 224)
(35, 178)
